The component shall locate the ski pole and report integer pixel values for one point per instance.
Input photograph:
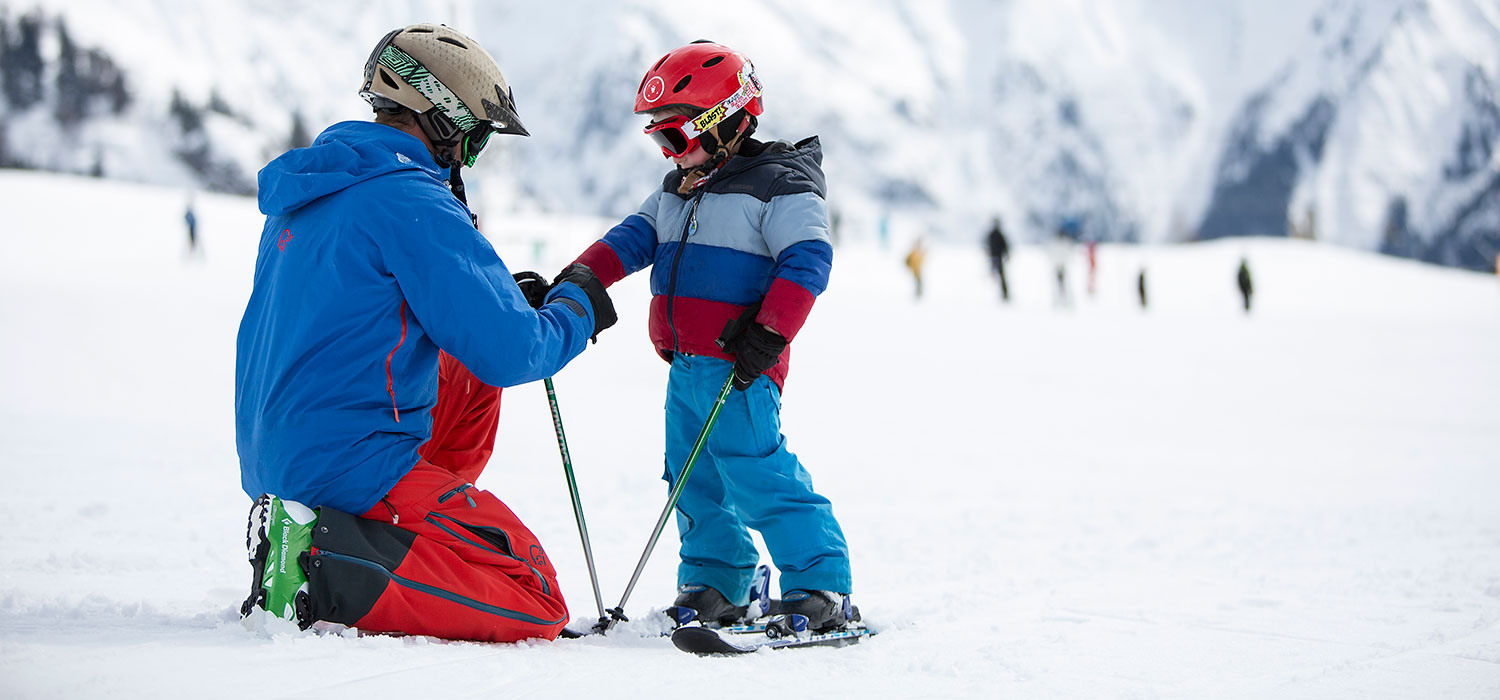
(583, 529)
(617, 613)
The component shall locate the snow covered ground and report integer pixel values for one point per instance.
(1099, 502)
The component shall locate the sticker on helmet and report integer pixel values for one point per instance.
(707, 120)
(654, 89)
(749, 90)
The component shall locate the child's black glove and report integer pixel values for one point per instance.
(604, 309)
(755, 347)
(534, 287)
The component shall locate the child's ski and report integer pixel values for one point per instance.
(774, 634)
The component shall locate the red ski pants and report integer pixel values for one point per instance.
(437, 556)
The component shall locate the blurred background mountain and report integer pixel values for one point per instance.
(1369, 123)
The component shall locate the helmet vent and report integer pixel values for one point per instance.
(455, 42)
(682, 83)
(658, 63)
(710, 63)
(419, 30)
(386, 78)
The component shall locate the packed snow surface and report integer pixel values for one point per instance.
(1041, 502)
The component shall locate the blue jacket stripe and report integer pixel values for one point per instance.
(634, 242)
(722, 220)
(715, 274)
(793, 218)
(808, 264)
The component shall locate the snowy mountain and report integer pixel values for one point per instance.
(1380, 133)
(1370, 124)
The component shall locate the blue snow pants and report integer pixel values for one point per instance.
(745, 478)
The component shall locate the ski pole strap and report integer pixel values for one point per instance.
(687, 470)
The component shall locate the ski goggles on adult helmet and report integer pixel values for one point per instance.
(678, 135)
(473, 144)
(468, 144)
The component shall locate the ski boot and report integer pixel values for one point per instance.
(278, 536)
(825, 610)
(705, 604)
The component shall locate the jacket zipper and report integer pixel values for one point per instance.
(688, 228)
(508, 552)
(390, 382)
(459, 492)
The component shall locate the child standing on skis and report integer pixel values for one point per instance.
(737, 239)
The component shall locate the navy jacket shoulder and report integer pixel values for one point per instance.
(765, 170)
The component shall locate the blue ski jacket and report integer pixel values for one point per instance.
(368, 265)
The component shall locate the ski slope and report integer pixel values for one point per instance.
(1101, 502)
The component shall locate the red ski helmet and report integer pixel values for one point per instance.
(713, 80)
(699, 75)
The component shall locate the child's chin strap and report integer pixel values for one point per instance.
(692, 177)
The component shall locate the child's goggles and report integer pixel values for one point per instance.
(670, 135)
(680, 134)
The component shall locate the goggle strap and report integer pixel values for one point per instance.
(413, 72)
(375, 57)
(748, 91)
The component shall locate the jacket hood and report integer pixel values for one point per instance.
(804, 157)
(345, 154)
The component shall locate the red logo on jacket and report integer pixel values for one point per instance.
(286, 237)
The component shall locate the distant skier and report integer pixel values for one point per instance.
(999, 250)
(1140, 286)
(728, 299)
(379, 328)
(1060, 252)
(1243, 278)
(914, 260)
(1091, 248)
(191, 220)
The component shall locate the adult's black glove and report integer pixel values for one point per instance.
(604, 309)
(534, 287)
(755, 347)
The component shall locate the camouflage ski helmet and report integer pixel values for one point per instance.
(450, 81)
